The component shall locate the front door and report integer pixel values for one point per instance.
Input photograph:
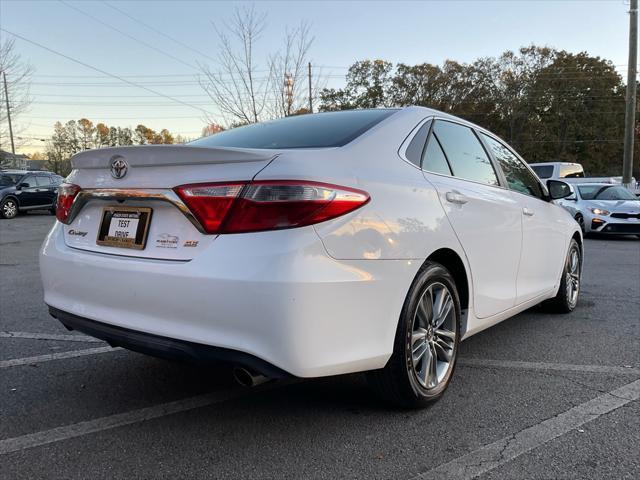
(543, 225)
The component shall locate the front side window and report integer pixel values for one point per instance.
(518, 176)
(8, 179)
(464, 151)
(29, 181)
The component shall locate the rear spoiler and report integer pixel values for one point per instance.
(168, 155)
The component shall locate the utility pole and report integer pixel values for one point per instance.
(6, 97)
(310, 94)
(630, 114)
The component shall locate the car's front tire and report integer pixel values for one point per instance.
(426, 343)
(567, 297)
(9, 208)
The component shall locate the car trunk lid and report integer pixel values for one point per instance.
(142, 199)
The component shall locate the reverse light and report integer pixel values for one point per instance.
(267, 205)
(67, 193)
(599, 211)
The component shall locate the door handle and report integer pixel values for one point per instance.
(527, 212)
(456, 197)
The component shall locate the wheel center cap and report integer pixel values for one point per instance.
(430, 333)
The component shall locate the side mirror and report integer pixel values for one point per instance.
(22, 185)
(558, 189)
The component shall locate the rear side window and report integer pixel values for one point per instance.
(571, 171)
(330, 129)
(434, 158)
(43, 181)
(416, 146)
(518, 176)
(543, 171)
(465, 153)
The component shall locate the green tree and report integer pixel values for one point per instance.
(578, 105)
(368, 86)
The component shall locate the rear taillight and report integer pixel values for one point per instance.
(267, 205)
(67, 193)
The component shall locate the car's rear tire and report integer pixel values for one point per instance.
(426, 342)
(8, 208)
(567, 297)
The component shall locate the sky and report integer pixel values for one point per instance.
(398, 31)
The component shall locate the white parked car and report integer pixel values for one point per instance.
(366, 240)
(604, 208)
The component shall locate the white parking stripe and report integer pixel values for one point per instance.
(483, 362)
(55, 356)
(118, 420)
(49, 336)
(498, 453)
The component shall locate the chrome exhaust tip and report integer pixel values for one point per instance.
(247, 378)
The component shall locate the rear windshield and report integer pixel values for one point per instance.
(543, 171)
(330, 129)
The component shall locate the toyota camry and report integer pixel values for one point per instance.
(356, 241)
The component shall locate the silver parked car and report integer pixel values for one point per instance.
(604, 208)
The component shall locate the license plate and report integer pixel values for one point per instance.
(124, 227)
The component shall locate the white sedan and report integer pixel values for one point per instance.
(364, 240)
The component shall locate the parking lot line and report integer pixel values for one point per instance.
(118, 420)
(563, 367)
(49, 336)
(493, 455)
(55, 356)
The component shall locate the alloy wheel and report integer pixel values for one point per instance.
(433, 336)
(9, 209)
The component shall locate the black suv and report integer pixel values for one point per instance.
(22, 190)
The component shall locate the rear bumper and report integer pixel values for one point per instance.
(276, 296)
(163, 347)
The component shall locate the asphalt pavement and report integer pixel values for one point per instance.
(538, 396)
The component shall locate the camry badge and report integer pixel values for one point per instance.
(118, 167)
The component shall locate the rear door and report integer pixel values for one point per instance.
(543, 225)
(47, 189)
(483, 214)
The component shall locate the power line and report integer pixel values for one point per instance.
(104, 72)
(159, 32)
(142, 42)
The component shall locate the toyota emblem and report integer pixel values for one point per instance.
(118, 167)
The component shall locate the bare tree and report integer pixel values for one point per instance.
(18, 75)
(236, 87)
(288, 73)
(242, 91)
